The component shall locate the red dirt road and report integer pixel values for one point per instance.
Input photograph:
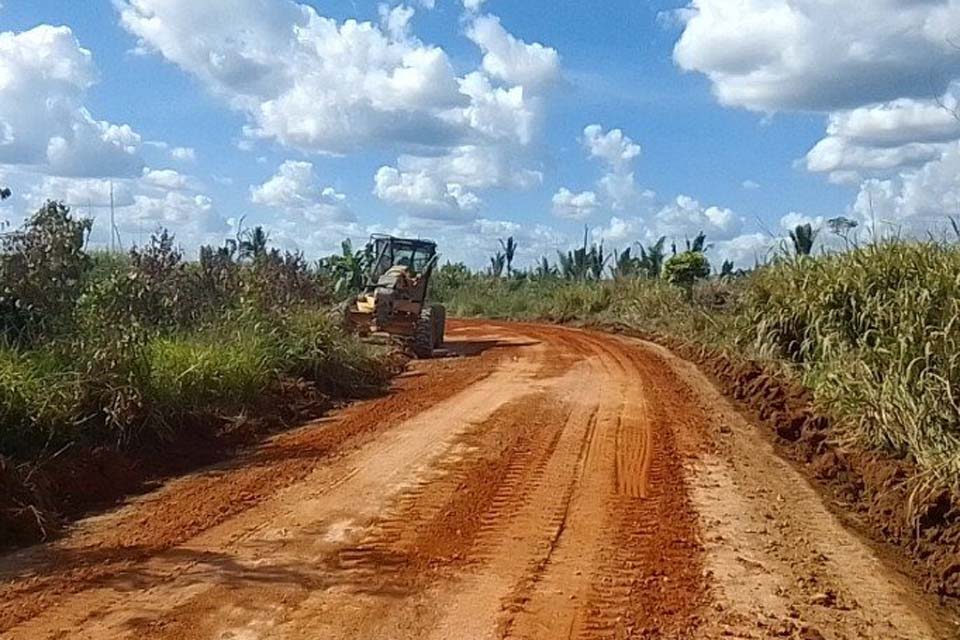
(552, 483)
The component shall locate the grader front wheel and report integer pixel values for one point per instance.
(428, 332)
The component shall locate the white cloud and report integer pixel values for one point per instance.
(823, 55)
(184, 154)
(612, 147)
(509, 59)
(793, 219)
(681, 219)
(686, 217)
(396, 21)
(312, 83)
(618, 153)
(448, 181)
(424, 193)
(294, 189)
(575, 206)
(301, 78)
(83, 194)
(166, 179)
(141, 206)
(478, 167)
(192, 217)
(839, 155)
(473, 6)
(621, 230)
(745, 250)
(876, 140)
(915, 201)
(750, 185)
(322, 86)
(44, 76)
(622, 192)
(501, 114)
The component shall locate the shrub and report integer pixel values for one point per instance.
(42, 267)
(686, 268)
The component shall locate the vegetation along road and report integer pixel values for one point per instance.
(548, 483)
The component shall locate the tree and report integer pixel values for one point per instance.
(545, 269)
(252, 243)
(42, 265)
(699, 244)
(684, 269)
(348, 268)
(652, 257)
(624, 265)
(842, 226)
(585, 262)
(5, 193)
(803, 237)
(726, 271)
(509, 250)
(497, 263)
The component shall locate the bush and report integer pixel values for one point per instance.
(42, 267)
(685, 269)
(132, 345)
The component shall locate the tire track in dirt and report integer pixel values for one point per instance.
(556, 494)
(607, 574)
(36, 579)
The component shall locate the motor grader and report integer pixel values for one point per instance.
(392, 304)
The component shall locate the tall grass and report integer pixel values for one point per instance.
(876, 334)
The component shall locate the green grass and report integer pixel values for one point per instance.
(876, 335)
(228, 366)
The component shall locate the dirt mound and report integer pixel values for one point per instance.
(876, 489)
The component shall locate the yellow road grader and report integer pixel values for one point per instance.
(393, 303)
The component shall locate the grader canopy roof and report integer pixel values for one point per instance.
(417, 255)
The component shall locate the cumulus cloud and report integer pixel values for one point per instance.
(745, 250)
(507, 58)
(876, 140)
(304, 79)
(821, 55)
(685, 217)
(793, 219)
(318, 85)
(682, 218)
(141, 205)
(166, 179)
(44, 76)
(574, 206)
(617, 152)
(424, 193)
(294, 189)
(448, 181)
(612, 147)
(914, 201)
(183, 154)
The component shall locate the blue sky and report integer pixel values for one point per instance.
(747, 116)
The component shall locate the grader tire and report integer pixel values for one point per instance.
(423, 335)
(438, 314)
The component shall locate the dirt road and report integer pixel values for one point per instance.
(551, 483)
